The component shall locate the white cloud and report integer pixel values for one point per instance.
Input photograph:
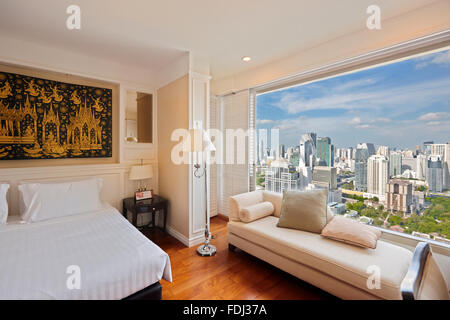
(355, 84)
(434, 116)
(364, 126)
(264, 121)
(355, 120)
(414, 95)
(440, 59)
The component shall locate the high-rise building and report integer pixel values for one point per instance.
(417, 150)
(369, 146)
(438, 149)
(282, 176)
(362, 152)
(395, 164)
(408, 163)
(383, 151)
(349, 154)
(421, 166)
(289, 153)
(399, 195)
(281, 150)
(427, 147)
(446, 166)
(325, 177)
(325, 151)
(307, 149)
(377, 174)
(261, 149)
(434, 176)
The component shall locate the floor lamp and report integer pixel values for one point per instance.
(200, 144)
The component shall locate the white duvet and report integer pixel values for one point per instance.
(95, 255)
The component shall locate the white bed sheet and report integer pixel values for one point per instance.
(114, 258)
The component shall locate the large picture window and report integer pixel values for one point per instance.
(378, 139)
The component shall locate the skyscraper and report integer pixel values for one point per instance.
(325, 177)
(421, 166)
(307, 149)
(399, 195)
(377, 175)
(434, 173)
(438, 149)
(446, 166)
(383, 151)
(427, 147)
(325, 151)
(261, 149)
(282, 176)
(395, 164)
(362, 152)
(281, 151)
(369, 146)
(349, 153)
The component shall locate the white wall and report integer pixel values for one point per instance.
(417, 23)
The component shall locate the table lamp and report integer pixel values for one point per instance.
(142, 172)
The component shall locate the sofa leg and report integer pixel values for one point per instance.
(231, 247)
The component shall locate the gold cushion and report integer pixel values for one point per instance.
(352, 232)
(304, 210)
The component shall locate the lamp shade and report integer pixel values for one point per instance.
(198, 141)
(141, 172)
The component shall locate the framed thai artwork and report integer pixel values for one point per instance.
(47, 119)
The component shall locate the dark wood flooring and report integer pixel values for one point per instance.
(227, 275)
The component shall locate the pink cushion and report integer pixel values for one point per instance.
(352, 232)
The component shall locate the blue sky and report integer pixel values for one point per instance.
(400, 105)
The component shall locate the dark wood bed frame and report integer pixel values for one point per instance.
(152, 292)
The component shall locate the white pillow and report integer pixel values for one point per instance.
(42, 201)
(3, 203)
(256, 211)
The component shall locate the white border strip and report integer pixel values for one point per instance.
(379, 54)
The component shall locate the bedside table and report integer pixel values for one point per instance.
(152, 206)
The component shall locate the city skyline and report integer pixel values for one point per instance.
(399, 105)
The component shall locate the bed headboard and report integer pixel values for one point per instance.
(116, 185)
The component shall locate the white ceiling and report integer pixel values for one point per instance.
(152, 33)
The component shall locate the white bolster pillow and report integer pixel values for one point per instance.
(256, 211)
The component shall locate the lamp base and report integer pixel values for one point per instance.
(206, 250)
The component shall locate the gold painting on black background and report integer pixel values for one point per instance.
(45, 119)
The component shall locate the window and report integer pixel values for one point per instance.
(378, 139)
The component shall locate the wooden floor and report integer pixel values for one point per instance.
(227, 275)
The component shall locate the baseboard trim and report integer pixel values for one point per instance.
(196, 240)
(180, 237)
(185, 240)
(223, 217)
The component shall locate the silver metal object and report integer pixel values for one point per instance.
(206, 249)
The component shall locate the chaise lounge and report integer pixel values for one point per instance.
(341, 269)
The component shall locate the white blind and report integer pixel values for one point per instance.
(213, 124)
(252, 140)
(233, 178)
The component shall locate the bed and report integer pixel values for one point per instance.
(110, 258)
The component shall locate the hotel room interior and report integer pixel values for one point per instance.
(224, 150)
